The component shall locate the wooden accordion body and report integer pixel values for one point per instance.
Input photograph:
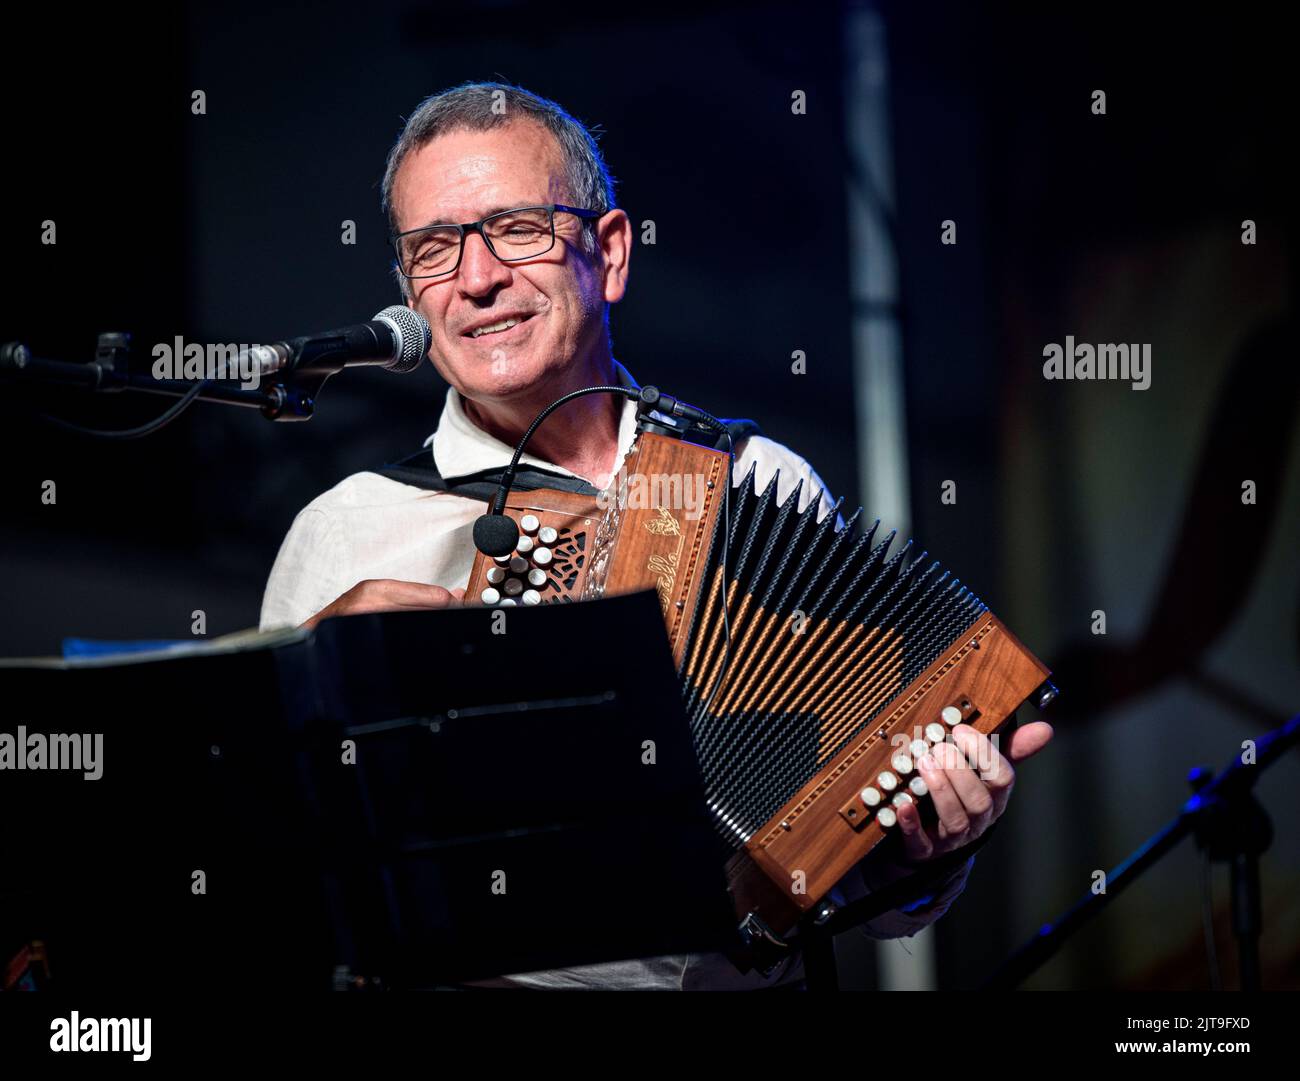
(844, 662)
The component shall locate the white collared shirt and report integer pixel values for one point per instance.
(370, 526)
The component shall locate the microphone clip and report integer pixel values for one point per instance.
(652, 400)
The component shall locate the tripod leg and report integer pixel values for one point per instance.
(1246, 917)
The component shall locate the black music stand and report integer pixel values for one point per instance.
(395, 800)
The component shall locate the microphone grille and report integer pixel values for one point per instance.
(414, 337)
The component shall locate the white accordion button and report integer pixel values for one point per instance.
(514, 587)
(902, 763)
(886, 817)
(537, 577)
(887, 781)
(524, 545)
(870, 796)
(951, 715)
(496, 575)
(489, 596)
(919, 787)
(542, 556)
(529, 523)
(507, 602)
(901, 798)
(547, 535)
(919, 749)
(531, 596)
(935, 732)
(501, 561)
(518, 564)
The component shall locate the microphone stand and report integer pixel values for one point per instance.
(109, 372)
(1229, 825)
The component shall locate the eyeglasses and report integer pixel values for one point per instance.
(511, 235)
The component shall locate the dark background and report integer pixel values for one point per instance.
(1073, 497)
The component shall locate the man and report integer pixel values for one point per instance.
(518, 303)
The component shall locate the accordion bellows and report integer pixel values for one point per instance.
(846, 657)
(827, 627)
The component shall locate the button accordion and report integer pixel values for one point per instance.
(816, 666)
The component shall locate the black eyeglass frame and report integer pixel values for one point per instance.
(477, 227)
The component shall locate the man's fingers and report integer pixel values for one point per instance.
(947, 804)
(1028, 740)
(386, 595)
(975, 797)
(917, 845)
(970, 782)
(993, 770)
(411, 594)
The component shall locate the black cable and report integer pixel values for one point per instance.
(508, 478)
(174, 411)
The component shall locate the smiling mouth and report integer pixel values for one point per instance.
(498, 327)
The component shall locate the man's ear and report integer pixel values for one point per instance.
(614, 238)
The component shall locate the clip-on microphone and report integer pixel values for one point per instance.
(496, 533)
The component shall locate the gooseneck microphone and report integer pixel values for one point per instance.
(496, 533)
(396, 339)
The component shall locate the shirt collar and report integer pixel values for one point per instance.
(461, 447)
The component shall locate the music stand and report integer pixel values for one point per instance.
(412, 799)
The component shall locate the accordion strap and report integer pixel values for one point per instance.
(420, 469)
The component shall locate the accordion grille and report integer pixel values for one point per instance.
(826, 629)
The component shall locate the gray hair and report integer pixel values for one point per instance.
(485, 106)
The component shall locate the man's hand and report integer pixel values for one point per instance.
(967, 798)
(387, 595)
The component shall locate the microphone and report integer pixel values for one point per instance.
(654, 398)
(495, 534)
(396, 338)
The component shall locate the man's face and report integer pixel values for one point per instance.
(558, 298)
